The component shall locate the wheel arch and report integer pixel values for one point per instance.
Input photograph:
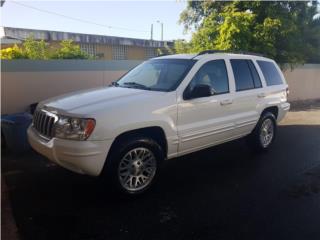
(272, 109)
(155, 132)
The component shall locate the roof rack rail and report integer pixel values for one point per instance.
(224, 51)
(209, 52)
(163, 54)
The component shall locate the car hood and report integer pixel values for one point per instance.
(75, 102)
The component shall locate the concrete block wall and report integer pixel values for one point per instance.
(304, 82)
(25, 81)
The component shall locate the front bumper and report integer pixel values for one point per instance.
(85, 157)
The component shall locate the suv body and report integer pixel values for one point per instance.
(176, 121)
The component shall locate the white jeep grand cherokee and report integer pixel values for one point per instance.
(164, 108)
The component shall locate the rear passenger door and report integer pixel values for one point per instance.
(248, 94)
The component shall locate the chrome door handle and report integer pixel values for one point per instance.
(226, 102)
(261, 95)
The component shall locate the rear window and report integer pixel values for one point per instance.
(270, 73)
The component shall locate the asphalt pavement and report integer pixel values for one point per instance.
(225, 192)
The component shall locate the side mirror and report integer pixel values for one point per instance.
(201, 90)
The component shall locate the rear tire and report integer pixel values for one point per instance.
(134, 164)
(264, 133)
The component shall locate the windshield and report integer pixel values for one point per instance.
(157, 75)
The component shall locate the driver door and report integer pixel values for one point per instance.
(206, 121)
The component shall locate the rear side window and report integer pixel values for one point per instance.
(245, 74)
(270, 73)
(255, 75)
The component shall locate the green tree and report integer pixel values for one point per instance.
(30, 49)
(34, 49)
(284, 30)
(12, 53)
(69, 50)
(181, 46)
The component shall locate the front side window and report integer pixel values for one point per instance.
(270, 73)
(214, 74)
(157, 75)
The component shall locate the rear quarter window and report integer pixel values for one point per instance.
(270, 73)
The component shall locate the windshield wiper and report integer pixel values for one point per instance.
(135, 84)
(115, 84)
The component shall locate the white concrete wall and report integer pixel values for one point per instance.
(28, 81)
(20, 89)
(24, 82)
(304, 82)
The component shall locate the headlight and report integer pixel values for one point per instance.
(73, 128)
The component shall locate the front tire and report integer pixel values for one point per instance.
(135, 164)
(263, 135)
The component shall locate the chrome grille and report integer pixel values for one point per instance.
(43, 122)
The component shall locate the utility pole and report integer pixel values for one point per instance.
(151, 31)
(161, 29)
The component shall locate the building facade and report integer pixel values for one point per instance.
(100, 46)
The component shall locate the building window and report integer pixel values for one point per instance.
(90, 49)
(150, 53)
(119, 52)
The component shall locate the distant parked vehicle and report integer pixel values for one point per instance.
(166, 107)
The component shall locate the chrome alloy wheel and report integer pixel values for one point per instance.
(266, 132)
(137, 169)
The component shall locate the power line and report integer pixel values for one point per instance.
(76, 19)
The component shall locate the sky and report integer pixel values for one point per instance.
(114, 18)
